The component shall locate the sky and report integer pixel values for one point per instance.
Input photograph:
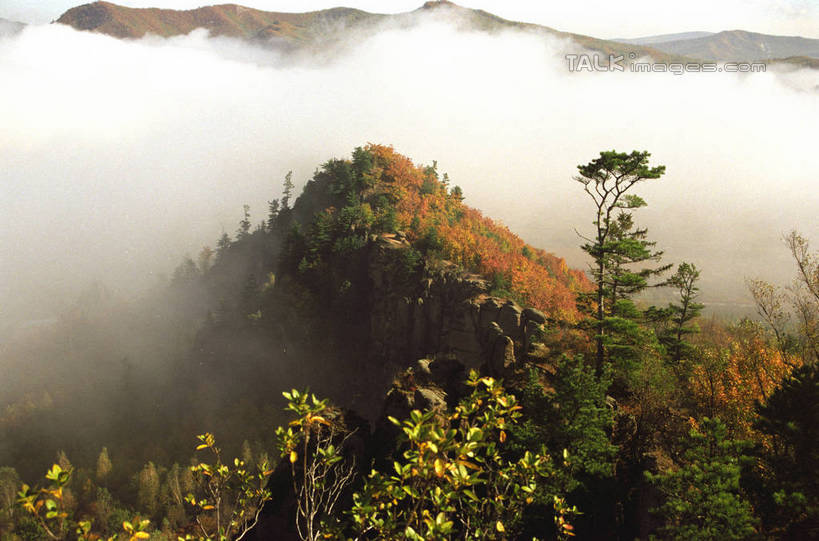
(599, 18)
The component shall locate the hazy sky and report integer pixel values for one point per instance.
(600, 18)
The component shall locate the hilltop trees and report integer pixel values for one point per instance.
(616, 246)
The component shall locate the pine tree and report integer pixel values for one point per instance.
(287, 190)
(244, 225)
(222, 246)
(272, 214)
(703, 496)
(682, 314)
(790, 417)
(148, 486)
(205, 259)
(104, 465)
(616, 245)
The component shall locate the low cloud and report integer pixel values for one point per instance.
(119, 157)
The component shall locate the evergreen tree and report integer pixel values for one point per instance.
(244, 225)
(272, 215)
(703, 496)
(681, 315)
(222, 245)
(575, 423)
(287, 190)
(790, 417)
(205, 259)
(104, 465)
(148, 486)
(616, 245)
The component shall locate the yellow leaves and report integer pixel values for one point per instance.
(310, 419)
(502, 436)
(293, 457)
(499, 526)
(439, 467)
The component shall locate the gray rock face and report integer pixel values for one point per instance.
(442, 310)
(503, 356)
(509, 319)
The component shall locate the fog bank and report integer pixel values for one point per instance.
(117, 158)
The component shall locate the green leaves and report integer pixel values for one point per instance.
(229, 494)
(452, 480)
(703, 497)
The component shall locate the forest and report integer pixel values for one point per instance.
(377, 360)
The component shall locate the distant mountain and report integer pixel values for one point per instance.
(10, 28)
(306, 28)
(662, 38)
(739, 45)
(222, 20)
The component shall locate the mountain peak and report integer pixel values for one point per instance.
(433, 4)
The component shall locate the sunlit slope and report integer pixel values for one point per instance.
(382, 192)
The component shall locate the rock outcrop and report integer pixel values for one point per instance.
(444, 312)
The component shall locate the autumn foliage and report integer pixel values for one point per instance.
(738, 367)
(433, 216)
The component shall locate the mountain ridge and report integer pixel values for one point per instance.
(302, 28)
(661, 38)
(741, 45)
(10, 28)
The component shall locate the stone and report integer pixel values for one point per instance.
(509, 319)
(531, 334)
(489, 312)
(430, 399)
(503, 355)
(531, 314)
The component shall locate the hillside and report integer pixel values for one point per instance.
(10, 28)
(381, 291)
(223, 20)
(301, 29)
(662, 38)
(378, 263)
(739, 45)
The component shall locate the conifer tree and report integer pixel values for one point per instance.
(616, 245)
(703, 496)
(104, 465)
(287, 190)
(222, 245)
(685, 280)
(244, 225)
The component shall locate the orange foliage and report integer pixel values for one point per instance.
(738, 367)
(426, 208)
